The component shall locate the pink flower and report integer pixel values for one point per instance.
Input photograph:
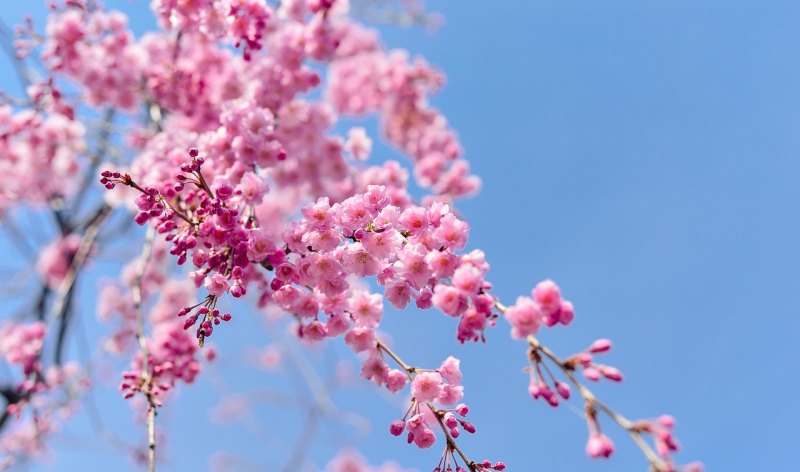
(426, 386)
(375, 369)
(398, 294)
(424, 438)
(524, 316)
(305, 306)
(323, 267)
(358, 261)
(315, 331)
(360, 339)
(353, 214)
(468, 279)
(259, 245)
(414, 220)
(366, 308)
(375, 197)
(411, 265)
(452, 232)
(252, 188)
(358, 143)
(451, 394)
(451, 370)
(318, 216)
(396, 380)
(382, 245)
(548, 295)
(442, 263)
(449, 299)
(216, 285)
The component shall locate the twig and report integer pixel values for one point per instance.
(136, 294)
(67, 285)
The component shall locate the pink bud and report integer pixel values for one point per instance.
(462, 409)
(563, 390)
(667, 421)
(552, 400)
(567, 313)
(141, 218)
(534, 390)
(397, 427)
(450, 420)
(599, 445)
(611, 373)
(601, 345)
(592, 374)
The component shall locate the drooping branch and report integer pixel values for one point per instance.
(593, 404)
(67, 286)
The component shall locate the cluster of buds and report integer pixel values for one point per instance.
(452, 422)
(665, 442)
(590, 369)
(205, 227)
(139, 382)
(208, 313)
(554, 389)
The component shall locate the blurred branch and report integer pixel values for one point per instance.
(136, 294)
(24, 74)
(60, 312)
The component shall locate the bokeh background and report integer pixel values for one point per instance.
(643, 154)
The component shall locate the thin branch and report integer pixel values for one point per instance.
(410, 372)
(136, 294)
(592, 401)
(67, 285)
(297, 456)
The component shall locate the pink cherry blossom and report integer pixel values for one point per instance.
(427, 386)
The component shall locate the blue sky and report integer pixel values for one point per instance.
(644, 155)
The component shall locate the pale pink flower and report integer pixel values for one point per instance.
(451, 370)
(525, 317)
(396, 380)
(358, 144)
(366, 308)
(360, 339)
(216, 284)
(427, 386)
(449, 299)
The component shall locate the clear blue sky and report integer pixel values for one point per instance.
(646, 156)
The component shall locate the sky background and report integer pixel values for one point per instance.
(643, 154)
